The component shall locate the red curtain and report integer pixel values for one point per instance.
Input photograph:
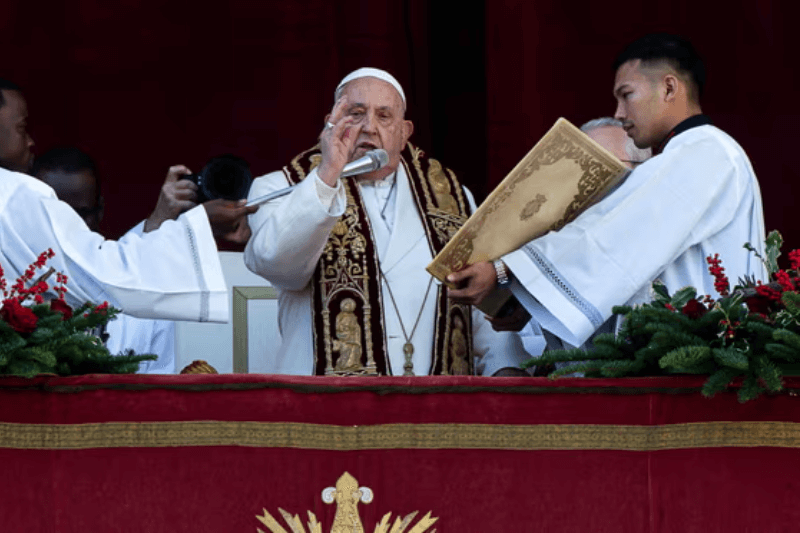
(144, 84)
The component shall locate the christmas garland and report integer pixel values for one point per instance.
(751, 332)
(49, 337)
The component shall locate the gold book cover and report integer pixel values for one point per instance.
(563, 174)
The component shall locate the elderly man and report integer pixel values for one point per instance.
(697, 196)
(610, 134)
(171, 273)
(349, 254)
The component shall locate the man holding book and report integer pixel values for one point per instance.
(696, 197)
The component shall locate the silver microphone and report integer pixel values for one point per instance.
(371, 161)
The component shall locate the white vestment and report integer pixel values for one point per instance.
(172, 273)
(698, 198)
(143, 336)
(288, 237)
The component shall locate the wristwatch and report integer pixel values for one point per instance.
(503, 280)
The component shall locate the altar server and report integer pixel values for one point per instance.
(696, 197)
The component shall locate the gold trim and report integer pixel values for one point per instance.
(241, 295)
(399, 436)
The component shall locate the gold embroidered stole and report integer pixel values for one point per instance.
(347, 302)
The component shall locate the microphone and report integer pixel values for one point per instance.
(371, 161)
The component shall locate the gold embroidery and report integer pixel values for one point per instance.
(441, 187)
(533, 207)
(348, 338)
(400, 436)
(458, 351)
(346, 272)
(347, 494)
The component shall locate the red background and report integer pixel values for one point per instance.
(142, 84)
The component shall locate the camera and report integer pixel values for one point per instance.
(225, 176)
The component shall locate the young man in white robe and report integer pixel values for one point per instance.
(173, 273)
(294, 234)
(696, 197)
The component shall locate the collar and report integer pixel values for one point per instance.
(687, 124)
(386, 182)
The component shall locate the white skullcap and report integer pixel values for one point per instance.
(368, 72)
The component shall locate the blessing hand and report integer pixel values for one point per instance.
(337, 142)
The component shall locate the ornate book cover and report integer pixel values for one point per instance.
(563, 174)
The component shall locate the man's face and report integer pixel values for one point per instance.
(640, 105)
(613, 139)
(79, 190)
(15, 143)
(378, 108)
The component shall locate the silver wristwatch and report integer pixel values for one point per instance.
(502, 273)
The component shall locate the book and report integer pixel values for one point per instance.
(565, 173)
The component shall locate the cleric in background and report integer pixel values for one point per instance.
(348, 255)
(697, 196)
(171, 273)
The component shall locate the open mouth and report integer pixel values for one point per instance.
(366, 146)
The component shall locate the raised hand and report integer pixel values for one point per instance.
(337, 142)
(176, 196)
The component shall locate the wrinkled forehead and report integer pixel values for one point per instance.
(373, 92)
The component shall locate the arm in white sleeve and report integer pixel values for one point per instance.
(289, 233)
(173, 273)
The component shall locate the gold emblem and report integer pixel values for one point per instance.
(533, 207)
(347, 495)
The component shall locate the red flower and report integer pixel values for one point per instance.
(62, 307)
(20, 318)
(694, 309)
(794, 257)
(721, 283)
(785, 280)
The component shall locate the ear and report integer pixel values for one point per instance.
(408, 129)
(671, 87)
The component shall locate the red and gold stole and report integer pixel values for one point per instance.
(348, 307)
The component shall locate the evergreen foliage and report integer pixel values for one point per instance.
(747, 334)
(51, 338)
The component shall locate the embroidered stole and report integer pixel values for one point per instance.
(347, 302)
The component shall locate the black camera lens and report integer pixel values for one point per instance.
(225, 176)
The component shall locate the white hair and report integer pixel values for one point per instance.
(635, 154)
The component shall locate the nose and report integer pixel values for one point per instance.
(619, 114)
(30, 141)
(369, 122)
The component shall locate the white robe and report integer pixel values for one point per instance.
(173, 273)
(698, 198)
(288, 237)
(143, 336)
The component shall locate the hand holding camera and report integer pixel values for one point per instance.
(225, 177)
